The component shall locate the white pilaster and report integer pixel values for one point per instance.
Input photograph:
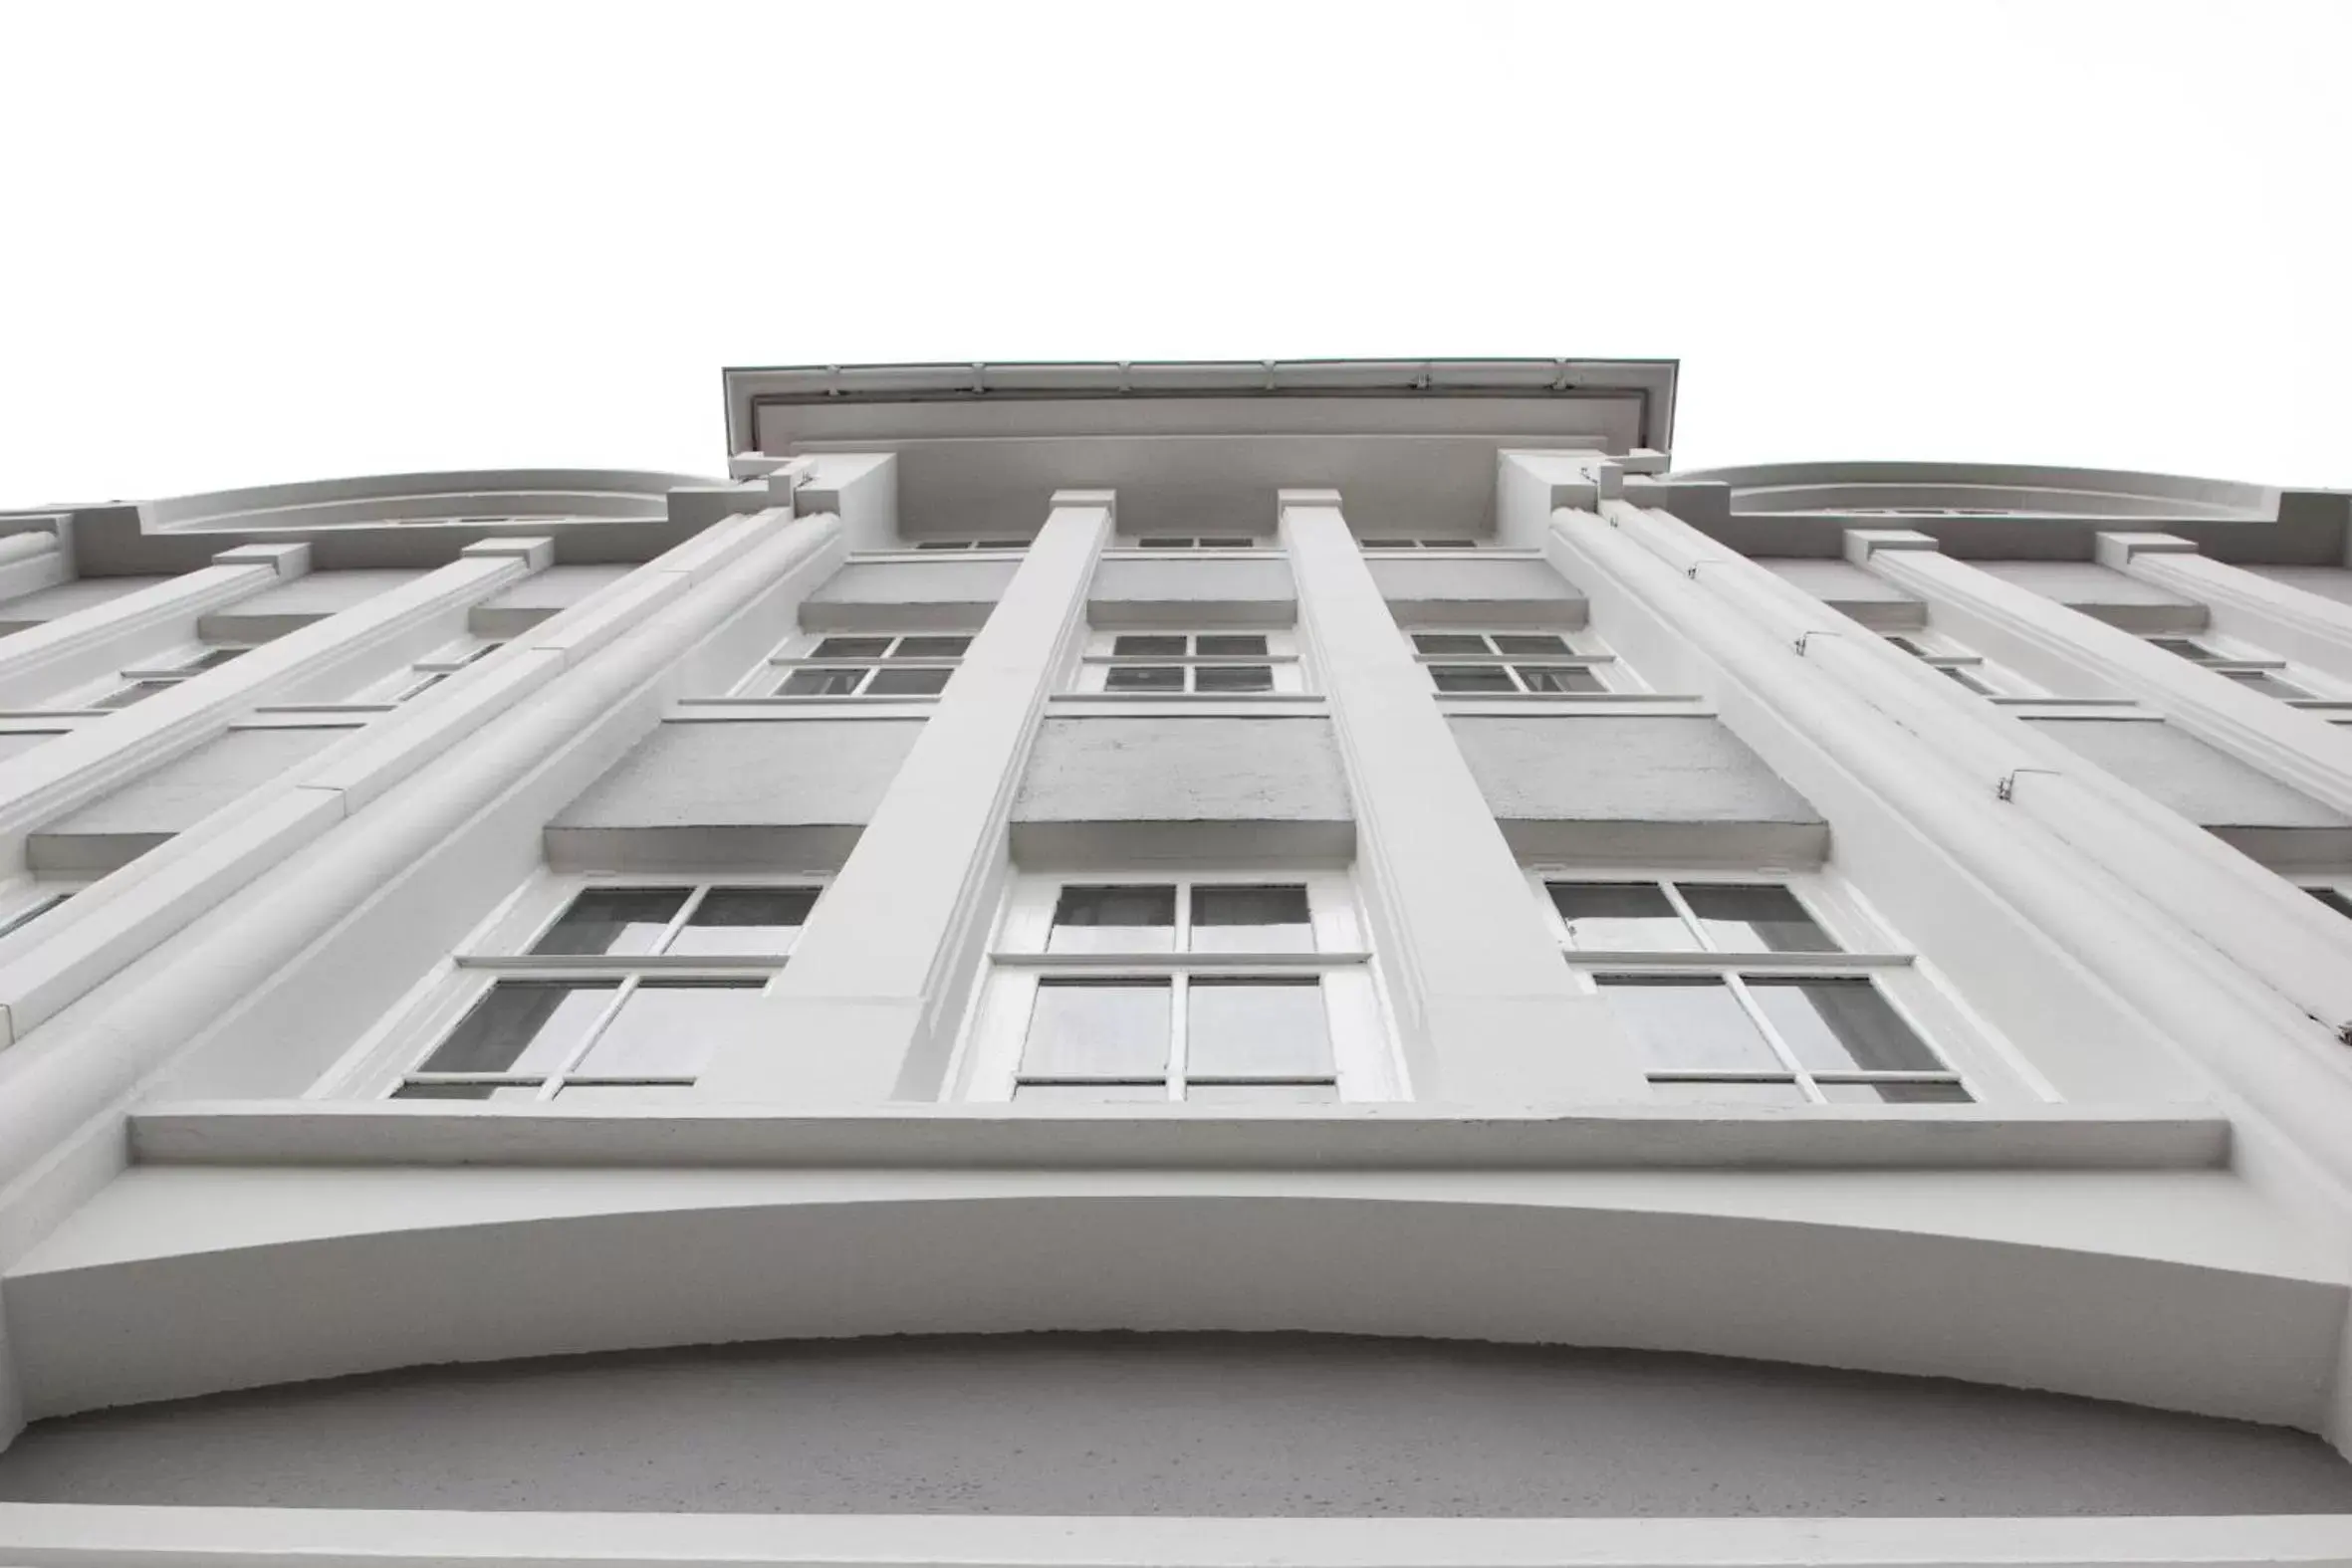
(2286, 621)
(868, 1010)
(1492, 1014)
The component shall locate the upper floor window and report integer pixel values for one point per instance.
(1200, 990)
(2335, 895)
(27, 902)
(1954, 663)
(971, 544)
(1734, 989)
(620, 991)
(1510, 664)
(1452, 543)
(1197, 542)
(430, 671)
(141, 682)
(880, 664)
(1201, 663)
(2250, 670)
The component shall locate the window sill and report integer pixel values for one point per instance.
(763, 710)
(1250, 705)
(1634, 704)
(1390, 1135)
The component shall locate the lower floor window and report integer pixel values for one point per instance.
(1198, 1037)
(1777, 1038)
(581, 1039)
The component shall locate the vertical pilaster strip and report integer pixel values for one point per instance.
(866, 1013)
(1491, 1013)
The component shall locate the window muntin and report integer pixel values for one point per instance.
(863, 665)
(623, 992)
(1195, 989)
(1510, 664)
(1190, 663)
(1736, 988)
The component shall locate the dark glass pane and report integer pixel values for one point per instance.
(466, 1091)
(2332, 899)
(1233, 678)
(1389, 543)
(213, 659)
(1260, 1093)
(1251, 920)
(1840, 1026)
(137, 691)
(1727, 1091)
(1257, 1028)
(1449, 642)
(667, 1028)
(523, 1025)
(1687, 1023)
(423, 686)
(2185, 647)
(930, 647)
(1909, 646)
(1234, 543)
(821, 683)
(1471, 678)
(1896, 1093)
(1114, 920)
(746, 920)
(1557, 678)
(1149, 646)
(1002, 543)
(943, 544)
(912, 682)
(613, 920)
(1098, 1028)
(850, 648)
(1144, 678)
(1166, 542)
(1230, 645)
(1754, 918)
(2265, 682)
(1531, 642)
(1622, 917)
(1449, 543)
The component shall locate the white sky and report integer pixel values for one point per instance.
(252, 244)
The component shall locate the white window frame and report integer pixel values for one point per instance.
(1963, 666)
(390, 1055)
(1867, 951)
(1387, 541)
(988, 1065)
(798, 652)
(1584, 653)
(24, 900)
(1157, 542)
(2232, 657)
(942, 546)
(1102, 656)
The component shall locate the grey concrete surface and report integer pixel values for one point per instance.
(1208, 592)
(1252, 788)
(1865, 595)
(2207, 785)
(47, 604)
(273, 612)
(518, 608)
(116, 829)
(2102, 593)
(1454, 590)
(900, 595)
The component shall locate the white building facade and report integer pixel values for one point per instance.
(1193, 962)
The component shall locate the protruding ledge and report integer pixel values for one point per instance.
(2117, 549)
(1356, 1137)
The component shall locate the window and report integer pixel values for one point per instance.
(29, 903)
(1456, 543)
(622, 995)
(430, 671)
(1197, 542)
(883, 664)
(1242, 989)
(971, 544)
(1734, 989)
(1509, 664)
(1196, 663)
(1957, 665)
(2337, 897)
(2255, 673)
(139, 683)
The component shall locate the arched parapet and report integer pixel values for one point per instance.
(471, 496)
(1987, 489)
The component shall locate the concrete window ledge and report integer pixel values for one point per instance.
(1364, 1137)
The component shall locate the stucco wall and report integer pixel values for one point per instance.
(519, 607)
(1454, 590)
(779, 797)
(289, 606)
(1183, 785)
(1865, 595)
(953, 595)
(1601, 788)
(1220, 1424)
(116, 829)
(1208, 592)
(47, 604)
(2209, 787)
(2097, 590)
(2332, 582)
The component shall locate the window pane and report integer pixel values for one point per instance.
(2332, 899)
(613, 920)
(1754, 919)
(1114, 920)
(1098, 1028)
(1389, 543)
(1233, 678)
(1165, 541)
(523, 1025)
(1531, 642)
(668, 1028)
(850, 648)
(1226, 543)
(212, 659)
(1093, 1093)
(821, 683)
(1002, 543)
(1625, 916)
(1257, 1028)
(943, 544)
(1144, 678)
(1909, 646)
(1728, 1093)
(466, 1091)
(1449, 642)
(930, 647)
(2265, 682)
(1260, 1093)
(1230, 645)
(137, 691)
(1251, 920)
(2185, 647)
(1471, 678)
(917, 682)
(625, 1093)
(1149, 647)
(746, 920)
(1557, 678)
(1687, 1023)
(32, 912)
(1449, 543)
(1895, 1093)
(1839, 1025)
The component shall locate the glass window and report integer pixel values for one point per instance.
(2333, 899)
(746, 921)
(1449, 642)
(889, 665)
(1548, 643)
(1114, 920)
(1747, 917)
(1257, 1028)
(1472, 678)
(614, 920)
(1556, 678)
(1144, 678)
(1233, 678)
(525, 1027)
(667, 1028)
(1230, 645)
(1688, 1023)
(1625, 916)
(1083, 1027)
(1840, 1026)
(2265, 682)
(909, 683)
(850, 648)
(1230, 919)
(821, 683)
(1149, 646)
(930, 647)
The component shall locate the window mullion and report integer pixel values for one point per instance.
(557, 1074)
(686, 908)
(1780, 1047)
(1691, 922)
(1180, 1033)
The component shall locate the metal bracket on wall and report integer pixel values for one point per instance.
(2007, 788)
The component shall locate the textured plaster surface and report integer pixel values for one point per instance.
(2331, 583)
(1605, 767)
(698, 775)
(1457, 591)
(1865, 595)
(930, 593)
(47, 604)
(2207, 785)
(1181, 1424)
(1183, 770)
(191, 788)
(520, 605)
(2100, 592)
(276, 610)
(1208, 581)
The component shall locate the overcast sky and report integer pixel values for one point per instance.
(252, 244)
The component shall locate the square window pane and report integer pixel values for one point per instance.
(1471, 678)
(1114, 920)
(2332, 899)
(1257, 1028)
(1262, 1093)
(754, 920)
(1098, 1028)
(137, 691)
(1840, 1026)
(928, 647)
(1728, 1092)
(613, 920)
(1149, 646)
(1093, 1093)
(1232, 678)
(523, 1025)
(1449, 642)
(914, 682)
(1895, 1093)
(466, 1091)
(625, 1093)
(2265, 682)
(821, 683)
(1755, 918)
(1622, 917)
(1230, 645)
(1144, 678)
(1165, 541)
(668, 1028)
(1251, 920)
(850, 648)
(1551, 644)
(1557, 678)
(1687, 1023)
